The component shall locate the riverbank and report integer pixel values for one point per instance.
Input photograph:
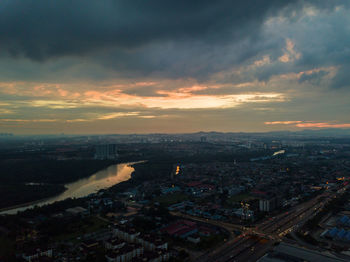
(19, 195)
(102, 179)
(27, 181)
(31, 203)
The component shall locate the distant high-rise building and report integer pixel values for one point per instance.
(266, 205)
(269, 204)
(107, 151)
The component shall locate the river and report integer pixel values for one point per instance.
(83, 187)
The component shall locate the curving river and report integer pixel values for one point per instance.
(83, 187)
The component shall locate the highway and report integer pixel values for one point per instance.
(254, 242)
(228, 226)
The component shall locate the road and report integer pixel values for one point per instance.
(228, 226)
(254, 242)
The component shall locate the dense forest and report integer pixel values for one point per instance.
(48, 171)
(50, 176)
(19, 194)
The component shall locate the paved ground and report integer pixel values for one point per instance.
(254, 243)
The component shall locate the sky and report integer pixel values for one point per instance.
(159, 66)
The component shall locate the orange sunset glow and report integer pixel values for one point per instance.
(202, 68)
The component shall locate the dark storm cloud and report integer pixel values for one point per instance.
(171, 66)
(323, 40)
(42, 29)
(131, 39)
(315, 77)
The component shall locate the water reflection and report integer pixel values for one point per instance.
(83, 187)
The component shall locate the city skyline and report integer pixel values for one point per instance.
(173, 67)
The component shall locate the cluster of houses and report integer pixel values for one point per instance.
(341, 232)
(335, 233)
(288, 178)
(120, 242)
(37, 254)
(344, 221)
(188, 230)
(127, 244)
(212, 211)
(204, 186)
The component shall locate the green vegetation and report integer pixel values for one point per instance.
(182, 256)
(307, 238)
(97, 256)
(6, 247)
(204, 244)
(211, 241)
(142, 224)
(19, 194)
(48, 171)
(170, 199)
(238, 198)
(71, 229)
(48, 176)
(55, 207)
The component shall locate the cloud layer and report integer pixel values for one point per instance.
(173, 66)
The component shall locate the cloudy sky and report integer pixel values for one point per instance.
(141, 66)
